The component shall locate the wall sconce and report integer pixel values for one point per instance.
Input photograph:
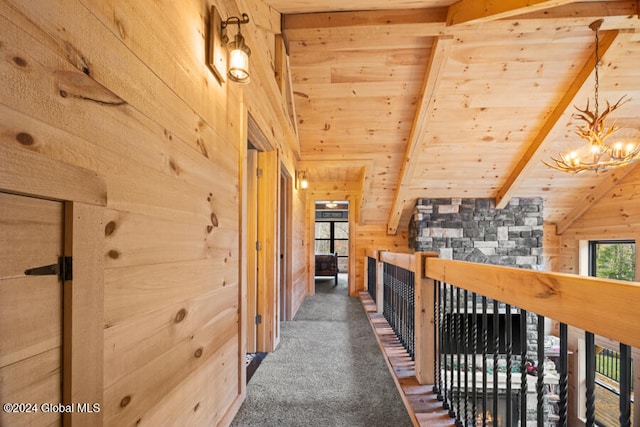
(302, 180)
(236, 65)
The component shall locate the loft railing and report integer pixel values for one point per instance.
(479, 335)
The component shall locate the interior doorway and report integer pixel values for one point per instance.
(286, 243)
(332, 236)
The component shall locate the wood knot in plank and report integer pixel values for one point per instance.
(78, 85)
(121, 30)
(125, 401)
(549, 290)
(202, 147)
(195, 408)
(174, 166)
(24, 138)
(214, 219)
(110, 228)
(180, 315)
(113, 254)
(198, 353)
(19, 61)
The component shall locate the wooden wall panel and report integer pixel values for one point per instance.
(299, 250)
(614, 216)
(375, 237)
(83, 82)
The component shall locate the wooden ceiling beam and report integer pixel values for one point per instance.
(377, 18)
(433, 20)
(531, 158)
(437, 62)
(474, 11)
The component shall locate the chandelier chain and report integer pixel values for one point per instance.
(597, 84)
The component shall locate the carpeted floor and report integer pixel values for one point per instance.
(327, 371)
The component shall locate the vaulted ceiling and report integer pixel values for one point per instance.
(437, 98)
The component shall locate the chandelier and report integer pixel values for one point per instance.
(601, 155)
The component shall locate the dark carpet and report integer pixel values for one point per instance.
(327, 371)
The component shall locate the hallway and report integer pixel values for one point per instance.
(327, 371)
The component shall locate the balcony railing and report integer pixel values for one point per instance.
(479, 335)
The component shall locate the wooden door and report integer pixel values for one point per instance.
(31, 235)
(252, 253)
(268, 330)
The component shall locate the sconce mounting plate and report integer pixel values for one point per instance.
(217, 59)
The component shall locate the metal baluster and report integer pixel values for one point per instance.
(590, 377)
(436, 337)
(446, 341)
(458, 345)
(466, 356)
(509, 351)
(540, 372)
(452, 345)
(523, 368)
(485, 350)
(401, 306)
(385, 291)
(563, 371)
(412, 313)
(474, 352)
(496, 350)
(405, 310)
(625, 385)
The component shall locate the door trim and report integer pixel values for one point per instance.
(85, 195)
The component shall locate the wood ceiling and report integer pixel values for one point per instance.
(437, 98)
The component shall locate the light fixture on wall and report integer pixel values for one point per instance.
(601, 155)
(302, 180)
(235, 65)
(331, 205)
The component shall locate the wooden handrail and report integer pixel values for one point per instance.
(371, 253)
(404, 260)
(605, 307)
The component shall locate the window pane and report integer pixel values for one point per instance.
(341, 246)
(323, 230)
(615, 260)
(322, 246)
(342, 230)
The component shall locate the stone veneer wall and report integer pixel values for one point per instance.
(474, 230)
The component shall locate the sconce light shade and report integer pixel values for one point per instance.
(239, 60)
(302, 180)
(228, 58)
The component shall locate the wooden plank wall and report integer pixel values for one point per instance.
(614, 216)
(375, 237)
(121, 88)
(300, 266)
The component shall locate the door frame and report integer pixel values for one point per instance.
(313, 196)
(269, 161)
(84, 194)
(285, 269)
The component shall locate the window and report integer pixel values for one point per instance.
(332, 237)
(612, 259)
